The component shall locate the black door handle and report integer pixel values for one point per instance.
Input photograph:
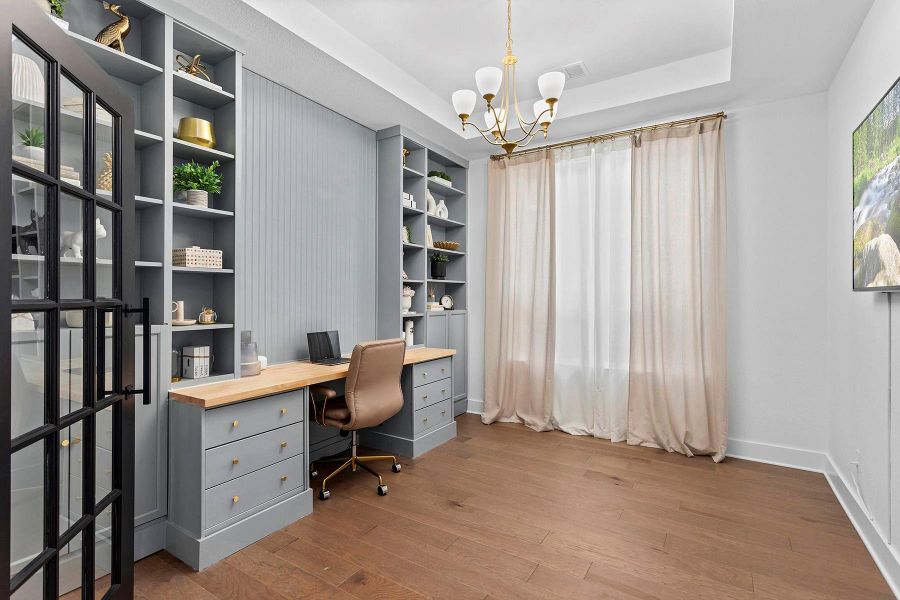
(144, 311)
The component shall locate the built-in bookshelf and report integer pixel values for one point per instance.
(404, 161)
(162, 95)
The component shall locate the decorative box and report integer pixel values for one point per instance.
(408, 200)
(195, 256)
(195, 362)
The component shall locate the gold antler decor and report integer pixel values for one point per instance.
(489, 81)
(192, 66)
(113, 35)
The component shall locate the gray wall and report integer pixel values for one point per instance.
(306, 237)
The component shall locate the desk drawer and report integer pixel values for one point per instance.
(431, 371)
(426, 395)
(249, 454)
(234, 497)
(239, 421)
(433, 416)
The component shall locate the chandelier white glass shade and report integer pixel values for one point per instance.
(498, 88)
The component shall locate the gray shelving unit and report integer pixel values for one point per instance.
(147, 71)
(433, 328)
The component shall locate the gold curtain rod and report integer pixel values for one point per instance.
(615, 134)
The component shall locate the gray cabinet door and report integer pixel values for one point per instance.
(150, 439)
(436, 330)
(456, 337)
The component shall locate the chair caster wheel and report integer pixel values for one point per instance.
(326, 494)
(313, 474)
(395, 468)
(382, 490)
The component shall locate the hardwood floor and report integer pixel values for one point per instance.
(504, 512)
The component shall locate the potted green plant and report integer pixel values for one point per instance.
(57, 11)
(31, 144)
(440, 177)
(197, 182)
(439, 262)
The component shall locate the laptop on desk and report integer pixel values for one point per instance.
(325, 348)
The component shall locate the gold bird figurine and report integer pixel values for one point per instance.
(113, 35)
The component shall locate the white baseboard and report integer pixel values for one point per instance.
(782, 456)
(885, 556)
(476, 407)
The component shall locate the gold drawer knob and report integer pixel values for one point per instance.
(235, 461)
(64, 443)
(424, 396)
(284, 444)
(235, 423)
(283, 411)
(443, 412)
(443, 370)
(444, 391)
(424, 419)
(235, 499)
(424, 373)
(284, 478)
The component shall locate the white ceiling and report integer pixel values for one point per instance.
(441, 44)
(779, 49)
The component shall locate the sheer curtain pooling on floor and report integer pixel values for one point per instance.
(593, 233)
(620, 246)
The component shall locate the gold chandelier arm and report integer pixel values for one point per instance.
(486, 138)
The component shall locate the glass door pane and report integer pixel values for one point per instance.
(71, 132)
(106, 234)
(71, 246)
(103, 150)
(27, 372)
(29, 105)
(26, 517)
(29, 241)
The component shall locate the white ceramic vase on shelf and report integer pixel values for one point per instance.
(441, 210)
(408, 333)
(407, 303)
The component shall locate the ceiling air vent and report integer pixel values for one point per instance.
(575, 70)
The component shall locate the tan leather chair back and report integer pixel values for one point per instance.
(372, 391)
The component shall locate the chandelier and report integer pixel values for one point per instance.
(492, 81)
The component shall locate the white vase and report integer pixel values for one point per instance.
(27, 79)
(407, 303)
(441, 210)
(408, 334)
(197, 198)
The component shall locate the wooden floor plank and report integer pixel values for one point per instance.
(503, 512)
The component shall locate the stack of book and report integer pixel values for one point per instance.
(66, 173)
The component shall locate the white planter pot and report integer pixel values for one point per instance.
(197, 198)
(407, 303)
(32, 152)
(440, 180)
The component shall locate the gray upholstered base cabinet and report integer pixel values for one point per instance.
(426, 419)
(236, 474)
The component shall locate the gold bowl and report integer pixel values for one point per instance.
(197, 131)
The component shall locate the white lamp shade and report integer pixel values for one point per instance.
(488, 80)
(464, 102)
(539, 107)
(491, 122)
(551, 84)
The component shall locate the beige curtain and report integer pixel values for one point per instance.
(677, 362)
(520, 291)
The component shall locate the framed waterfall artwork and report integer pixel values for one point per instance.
(876, 197)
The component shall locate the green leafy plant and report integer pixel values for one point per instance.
(58, 8)
(191, 176)
(440, 258)
(33, 136)
(440, 174)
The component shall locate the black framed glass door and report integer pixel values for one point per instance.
(68, 415)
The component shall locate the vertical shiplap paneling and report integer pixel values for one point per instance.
(309, 222)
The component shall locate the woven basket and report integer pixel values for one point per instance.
(445, 245)
(196, 256)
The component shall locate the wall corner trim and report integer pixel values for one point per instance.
(476, 407)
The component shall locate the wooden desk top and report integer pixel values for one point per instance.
(283, 377)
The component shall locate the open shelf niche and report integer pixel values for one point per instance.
(148, 72)
(395, 257)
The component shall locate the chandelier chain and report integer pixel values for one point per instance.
(509, 40)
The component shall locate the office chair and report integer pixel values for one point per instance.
(372, 395)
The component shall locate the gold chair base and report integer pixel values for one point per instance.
(352, 462)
